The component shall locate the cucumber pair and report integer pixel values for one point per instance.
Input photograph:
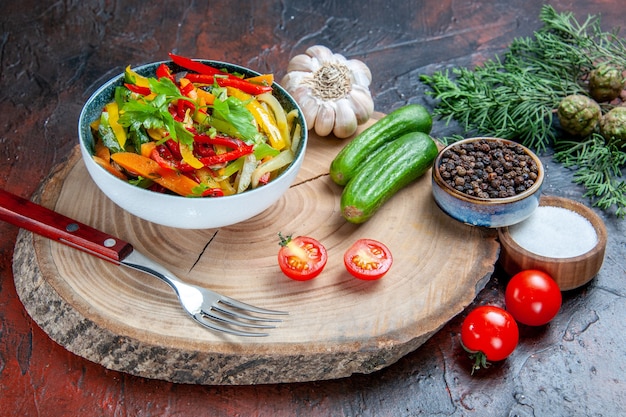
(384, 158)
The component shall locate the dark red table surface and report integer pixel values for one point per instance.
(53, 56)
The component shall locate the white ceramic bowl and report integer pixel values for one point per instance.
(177, 211)
(486, 212)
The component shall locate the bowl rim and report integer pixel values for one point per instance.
(488, 201)
(118, 79)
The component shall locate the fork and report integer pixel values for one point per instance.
(208, 308)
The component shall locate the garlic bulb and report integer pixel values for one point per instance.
(332, 91)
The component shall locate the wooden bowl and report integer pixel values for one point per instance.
(568, 272)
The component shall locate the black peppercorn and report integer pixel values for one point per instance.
(488, 169)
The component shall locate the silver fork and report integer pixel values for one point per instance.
(210, 309)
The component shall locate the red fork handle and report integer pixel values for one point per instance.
(45, 222)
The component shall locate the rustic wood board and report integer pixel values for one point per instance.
(337, 326)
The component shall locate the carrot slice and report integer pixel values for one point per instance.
(104, 163)
(147, 168)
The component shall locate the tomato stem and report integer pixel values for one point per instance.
(479, 358)
(284, 241)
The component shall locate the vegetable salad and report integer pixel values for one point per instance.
(201, 132)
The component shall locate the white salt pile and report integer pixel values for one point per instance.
(555, 232)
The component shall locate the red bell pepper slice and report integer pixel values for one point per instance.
(213, 192)
(203, 149)
(196, 66)
(174, 148)
(186, 89)
(219, 140)
(227, 156)
(162, 156)
(265, 178)
(144, 91)
(174, 111)
(205, 74)
(239, 83)
(182, 106)
(163, 71)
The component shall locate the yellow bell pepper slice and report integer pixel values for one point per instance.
(118, 129)
(204, 97)
(139, 80)
(188, 156)
(263, 117)
(263, 79)
(279, 115)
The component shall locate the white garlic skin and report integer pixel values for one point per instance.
(345, 107)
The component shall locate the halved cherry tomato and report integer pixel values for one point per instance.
(368, 259)
(533, 297)
(301, 258)
(489, 333)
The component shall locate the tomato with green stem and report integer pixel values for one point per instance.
(533, 297)
(368, 259)
(301, 258)
(489, 333)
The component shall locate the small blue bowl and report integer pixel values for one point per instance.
(486, 212)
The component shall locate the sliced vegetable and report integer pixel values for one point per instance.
(272, 165)
(264, 118)
(102, 157)
(197, 66)
(144, 91)
(301, 258)
(368, 259)
(279, 115)
(224, 81)
(197, 129)
(148, 168)
(114, 117)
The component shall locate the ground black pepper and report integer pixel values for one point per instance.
(488, 168)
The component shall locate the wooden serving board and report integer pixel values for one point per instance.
(337, 325)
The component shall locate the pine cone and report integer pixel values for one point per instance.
(613, 127)
(606, 83)
(579, 115)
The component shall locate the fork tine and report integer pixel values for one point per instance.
(233, 313)
(203, 319)
(228, 318)
(249, 307)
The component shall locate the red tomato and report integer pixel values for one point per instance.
(533, 297)
(489, 333)
(301, 258)
(368, 259)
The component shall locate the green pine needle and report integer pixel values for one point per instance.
(515, 97)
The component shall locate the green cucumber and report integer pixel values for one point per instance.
(398, 164)
(409, 118)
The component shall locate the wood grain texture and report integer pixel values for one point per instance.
(337, 326)
(55, 54)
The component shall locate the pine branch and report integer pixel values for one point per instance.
(515, 97)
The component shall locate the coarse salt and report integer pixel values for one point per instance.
(555, 232)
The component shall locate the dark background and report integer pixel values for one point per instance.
(55, 54)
